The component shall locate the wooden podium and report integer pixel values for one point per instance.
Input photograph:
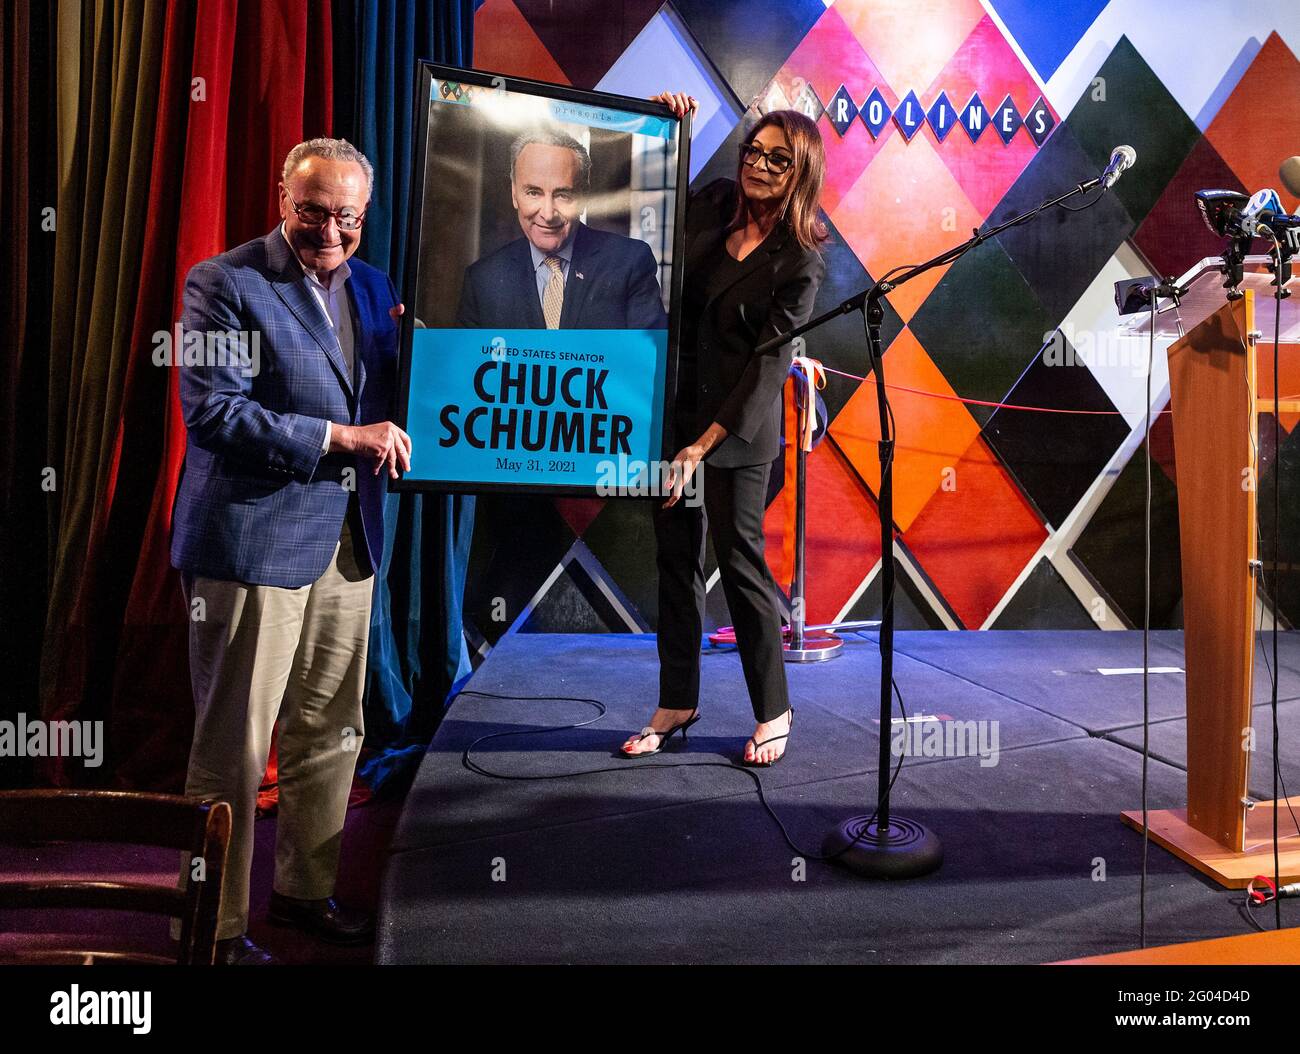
(1220, 380)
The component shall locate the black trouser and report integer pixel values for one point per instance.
(733, 515)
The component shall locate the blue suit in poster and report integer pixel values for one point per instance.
(612, 283)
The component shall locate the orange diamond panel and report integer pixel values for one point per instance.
(910, 40)
(933, 433)
(842, 542)
(504, 42)
(975, 537)
(906, 208)
(1259, 125)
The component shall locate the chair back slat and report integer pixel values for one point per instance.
(80, 895)
(91, 957)
(200, 828)
(96, 816)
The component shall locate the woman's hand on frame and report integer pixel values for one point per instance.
(678, 102)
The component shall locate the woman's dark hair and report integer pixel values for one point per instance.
(804, 189)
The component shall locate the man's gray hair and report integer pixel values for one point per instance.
(549, 136)
(330, 150)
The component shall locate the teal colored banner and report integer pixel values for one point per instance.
(534, 406)
(615, 120)
(590, 114)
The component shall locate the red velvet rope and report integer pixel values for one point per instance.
(979, 402)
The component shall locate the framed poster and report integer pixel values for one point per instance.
(539, 344)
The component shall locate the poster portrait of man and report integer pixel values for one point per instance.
(586, 278)
(543, 286)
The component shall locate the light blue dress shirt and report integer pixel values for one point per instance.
(333, 301)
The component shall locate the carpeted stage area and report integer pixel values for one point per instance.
(673, 859)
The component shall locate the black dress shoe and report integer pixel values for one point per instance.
(240, 951)
(324, 918)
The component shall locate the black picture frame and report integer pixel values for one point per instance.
(426, 74)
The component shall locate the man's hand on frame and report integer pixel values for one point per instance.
(383, 444)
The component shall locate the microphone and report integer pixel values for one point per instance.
(1133, 294)
(1260, 209)
(1289, 174)
(1121, 159)
(1221, 210)
(1263, 216)
(1285, 229)
(1230, 214)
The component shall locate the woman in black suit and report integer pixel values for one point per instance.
(751, 272)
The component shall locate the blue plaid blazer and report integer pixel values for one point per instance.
(258, 501)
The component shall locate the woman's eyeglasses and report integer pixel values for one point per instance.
(348, 219)
(777, 163)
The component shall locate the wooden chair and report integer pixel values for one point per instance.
(201, 828)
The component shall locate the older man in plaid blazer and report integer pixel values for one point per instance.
(278, 527)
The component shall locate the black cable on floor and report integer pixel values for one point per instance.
(1250, 912)
(473, 766)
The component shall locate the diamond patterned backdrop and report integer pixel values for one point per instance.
(1006, 518)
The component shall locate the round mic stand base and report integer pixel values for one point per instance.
(906, 850)
(813, 647)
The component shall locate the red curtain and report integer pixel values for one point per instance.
(242, 81)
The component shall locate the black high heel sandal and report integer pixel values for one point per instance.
(773, 739)
(663, 736)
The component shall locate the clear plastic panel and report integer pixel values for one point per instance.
(1205, 295)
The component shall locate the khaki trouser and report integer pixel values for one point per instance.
(258, 653)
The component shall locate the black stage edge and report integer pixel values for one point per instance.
(673, 859)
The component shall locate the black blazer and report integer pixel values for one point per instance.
(613, 283)
(772, 293)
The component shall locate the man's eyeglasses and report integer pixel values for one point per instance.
(348, 219)
(777, 164)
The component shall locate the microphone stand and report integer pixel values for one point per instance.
(881, 845)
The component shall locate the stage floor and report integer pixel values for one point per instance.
(672, 859)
